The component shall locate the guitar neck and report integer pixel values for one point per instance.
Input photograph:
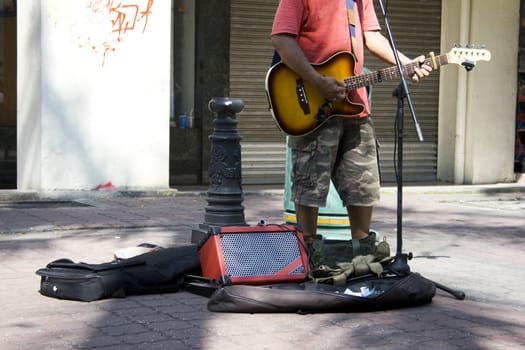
(391, 73)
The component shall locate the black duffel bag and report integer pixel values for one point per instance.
(363, 294)
(159, 271)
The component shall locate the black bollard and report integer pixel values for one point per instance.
(225, 193)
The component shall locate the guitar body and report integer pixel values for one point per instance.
(297, 107)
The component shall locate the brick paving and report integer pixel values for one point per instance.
(468, 238)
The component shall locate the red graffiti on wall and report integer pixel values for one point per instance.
(118, 18)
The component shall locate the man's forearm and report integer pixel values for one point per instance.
(378, 45)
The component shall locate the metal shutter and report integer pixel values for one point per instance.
(416, 31)
(263, 145)
(416, 27)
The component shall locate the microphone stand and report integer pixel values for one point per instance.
(399, 266)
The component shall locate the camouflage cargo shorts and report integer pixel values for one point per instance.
(343, 151)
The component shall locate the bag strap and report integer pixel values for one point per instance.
(69, 264)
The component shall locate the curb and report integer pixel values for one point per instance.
(16, 195)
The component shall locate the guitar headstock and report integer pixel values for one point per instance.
(468, 56)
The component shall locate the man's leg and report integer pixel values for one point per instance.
(307, 220)
(360, 221)
(356, 177)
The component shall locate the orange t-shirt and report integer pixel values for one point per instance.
(321, 28)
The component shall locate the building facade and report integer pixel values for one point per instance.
(96, 91)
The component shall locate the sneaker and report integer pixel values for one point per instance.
(365, 246)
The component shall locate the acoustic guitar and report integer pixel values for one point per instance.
(299, 109)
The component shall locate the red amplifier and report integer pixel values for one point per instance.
(261, 254)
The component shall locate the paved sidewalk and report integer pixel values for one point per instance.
(469, 238)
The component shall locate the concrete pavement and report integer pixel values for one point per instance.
(466, 237)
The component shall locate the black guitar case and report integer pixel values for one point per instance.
(160, 271)
(377, 294)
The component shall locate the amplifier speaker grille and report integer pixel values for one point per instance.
(260, 254)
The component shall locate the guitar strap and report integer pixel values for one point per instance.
(350, 9)
(276, 58)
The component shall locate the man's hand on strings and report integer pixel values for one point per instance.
(331, 88)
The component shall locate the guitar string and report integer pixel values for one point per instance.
(390, 73)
